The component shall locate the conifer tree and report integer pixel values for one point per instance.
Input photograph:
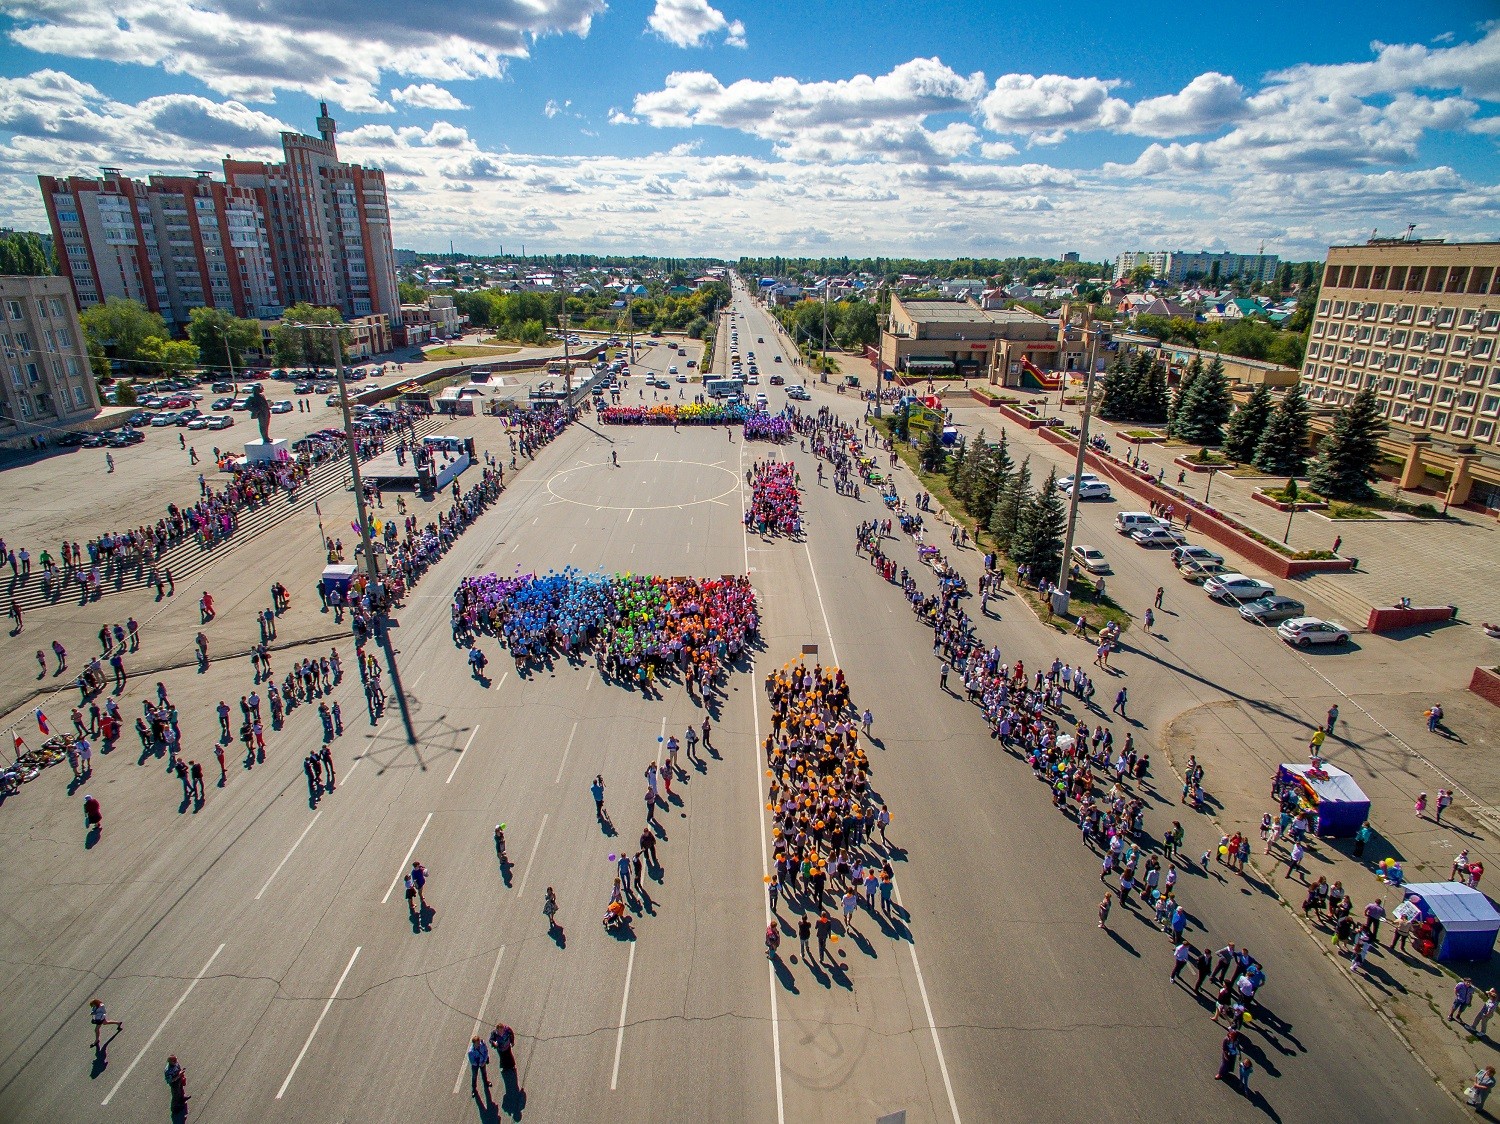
(1346, 459)
(1246, 426)
(1282, 450)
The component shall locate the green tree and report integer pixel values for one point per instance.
(1247, 425)
(1347, 457)
(1151, 403)
(1141, 275)
(23, 254)
(221, 336)
(169, 357)
(1282, 450)
(117, 329)
(1012, 504)
(1204, 407)
(124, 394)
(1037, 540)
(1119, 391)
(932, 453)
(1184, 388)
(302, 337)
(901, 423)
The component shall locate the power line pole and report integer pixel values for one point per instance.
(1060, 595)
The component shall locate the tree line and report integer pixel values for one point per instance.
(1271, 435)
(847, 324)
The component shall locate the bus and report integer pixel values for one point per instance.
(723, 388)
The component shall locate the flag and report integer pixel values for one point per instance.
(41, 721)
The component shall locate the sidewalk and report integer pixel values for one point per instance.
(1410, 991)
(1460, 556)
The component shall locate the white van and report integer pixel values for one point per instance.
(1128, 522)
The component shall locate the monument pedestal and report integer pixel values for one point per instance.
(258, 451)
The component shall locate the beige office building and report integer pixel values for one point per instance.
(958, 339)
(47, 382)
(1419, 323)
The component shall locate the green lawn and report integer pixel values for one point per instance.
(468, 351)
(1096, 615)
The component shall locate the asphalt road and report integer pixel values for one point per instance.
(267, 944)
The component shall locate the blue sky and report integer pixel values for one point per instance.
(723, 127)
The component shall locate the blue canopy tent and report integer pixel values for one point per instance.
(1466, 920)
(1340, 804)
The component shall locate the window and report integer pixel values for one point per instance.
(1424, 393)
(78, 399)
(1382, 335)
(1454, 371)
(1460, 345)
(1439, 419)
(1338, 308)
(1445, 394)
(1425, 316)
(1491, 321)
(25, 405)
(1388, 312)
(1466, 318)
(1438, 342)
(1460, 427)
(1482, 348)
(1491, 404)
(1484, 431)
(1399, 339)
(31, 374)
(1445, 317)
(64, 338)
(1403, 314)
(1431, 367)
(1406, 388)
(13, 309)
(57, 307)
(23, 341)
(72, 367)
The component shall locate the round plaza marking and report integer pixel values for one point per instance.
(632, 470)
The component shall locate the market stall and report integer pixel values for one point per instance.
(1451, 921)
(1338, 804)
(338, 578)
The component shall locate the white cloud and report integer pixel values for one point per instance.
(686, 23)
(1205, 104)
(1045, 105)
(848, 119)
(250, 49)
(427, 96)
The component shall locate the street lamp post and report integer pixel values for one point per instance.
(372, 573)
(1060, 595)
(1211, 474)
(229, 358)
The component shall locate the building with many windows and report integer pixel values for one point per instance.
(1176, 266)
(46, 383)
(312, 229)
(1418, 322)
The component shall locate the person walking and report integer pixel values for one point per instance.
(943, 678)
(648, 847)
(419, 880)
(1480, 1088)
(824, 927)
(93, 815)
(1229, 1051)
(1104, 907)
(479, 1065)
(1294, 859)
(804, 934)
(1487, 1007)
(503, 1042)
(100, 1018)
(1463, 995)
(1120, 700)
(175, 1076)
(1180, 957)
(597, 790)
(1160, 593)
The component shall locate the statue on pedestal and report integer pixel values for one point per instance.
(260, 409)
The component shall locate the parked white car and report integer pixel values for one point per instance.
(1160, 535)
(1306, 631)
(1237, 587)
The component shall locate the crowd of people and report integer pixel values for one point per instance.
(112, 555)
(824, 814)
(761, 426)
(775, 506)
(638, 627)
(675, 414)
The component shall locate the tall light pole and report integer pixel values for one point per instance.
(1211, 474)
(372, 573)
(229, 358)
(1060, 595)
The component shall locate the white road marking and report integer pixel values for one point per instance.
(614, 1078)
(479, 1018)
(661, 741)
(535, 843)
(464, 750)
(295, 845)
(402, 868)
(827, 628)
(572, 548)
(152, 1040)
(417, 680)
(628, 517)
(313, 1033)
(564, 760)
(927, 1006)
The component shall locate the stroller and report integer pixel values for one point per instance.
(614, 916)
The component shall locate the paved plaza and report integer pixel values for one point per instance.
(264, 938)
